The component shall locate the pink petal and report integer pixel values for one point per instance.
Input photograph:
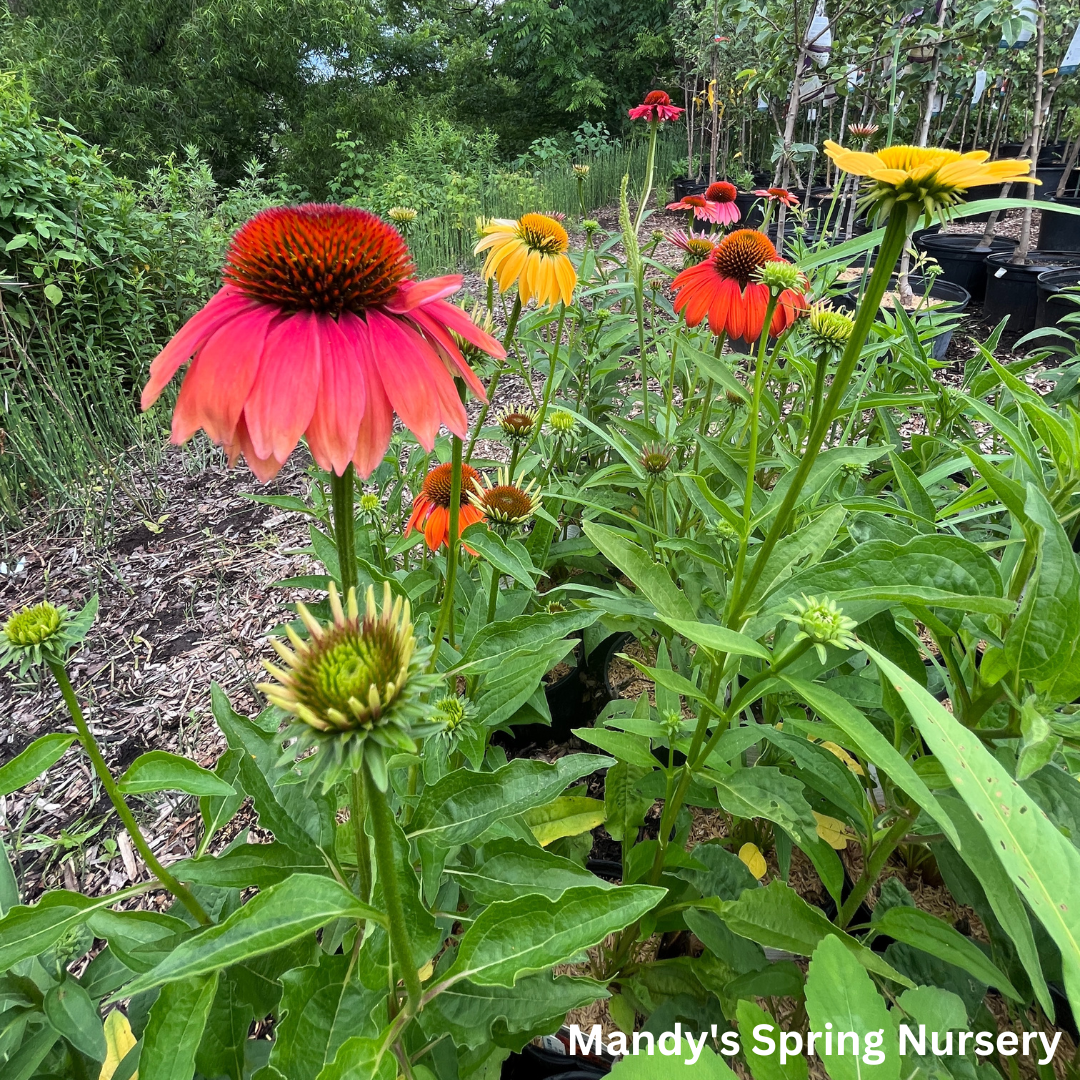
(221, 376)
(400, 355)
(282, 401)
(377, 424)
(412, 293)
(451, 316)
(224, 305)
(339, 408)
(264, 468)
(455, 361)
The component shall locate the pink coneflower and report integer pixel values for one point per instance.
(656, 106)
(863, 131)
(716, 205)
(779, 195)
(320, 330)
(696, 248)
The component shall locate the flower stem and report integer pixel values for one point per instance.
(89, 744)
(892, 244)
(493, 594)
(511, 326)
(363, 849)
(650, 162)
(453, 543)
(341, 495)
(550, 381)
(382, 828)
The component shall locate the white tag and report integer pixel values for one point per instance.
(1002, 271)
(553, 1043)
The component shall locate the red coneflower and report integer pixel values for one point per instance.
(723, 287)
(431, 507)
(319, 330)
(779, 195)
(656, 106)
(716, 205)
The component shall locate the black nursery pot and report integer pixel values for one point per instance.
(536, 1063)
(959, 260)
(1052, 307)
(1012, 290)
(683, 186)
(751, 210)
(1060, 232)
(956, 300)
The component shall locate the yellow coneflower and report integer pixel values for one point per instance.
(532, 253)
(927, 180)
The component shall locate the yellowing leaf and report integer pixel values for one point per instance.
(119, 1040)
(845, 757)
(834, 833)
(751, 856)
(426, 971)
(569, 815)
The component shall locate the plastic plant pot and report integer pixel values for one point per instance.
(1060, 232)
(960, 259)
(1012, 288)
(1052, 305)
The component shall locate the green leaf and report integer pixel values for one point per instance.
(175, 1029)
(53, 293)
(322, 1006)
(26, 931)
(1041, 862)
(9, 887)
(939, 1010)
(766, 1066)
(568, 815)
(914, 494)
(136, 938)
(1041, 638)
(464, 804)
(162, 771)
(634, 749)
(70, 1010)
(40, 755)
(522, 633)
(924, 931)
(625, 806)
(650, 577)
(282, 914)
(532, 933)
(718, 639)
(245, 865)
(840, 993)
(359, 1059)
(508, 557)
(873, 746)
(536, 1005)
(777, 917)
(512, 868)
(709, 1066)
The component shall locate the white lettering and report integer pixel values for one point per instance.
(1007, 1039)
(941, 1051)
(648, 1037)
(729, 1043)
(596, 1037)
(1049, 1047)
(871, 1044)
(984, 1043)
(841, 1036)
(790, 1045)
(616, 1044)
(907, 1036)
(761, 1035)
(695, 1048)
(676, 1041)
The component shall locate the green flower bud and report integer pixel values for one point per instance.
(44, 633)
(822, 623)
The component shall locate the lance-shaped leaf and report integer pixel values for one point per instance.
(161, 771)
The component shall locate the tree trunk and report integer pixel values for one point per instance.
(1036, 136)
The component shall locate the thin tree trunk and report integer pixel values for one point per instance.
(1036, 136)
(1070, 162)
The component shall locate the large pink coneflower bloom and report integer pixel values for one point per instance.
(716, 205)
(319, 330)
(656, 106)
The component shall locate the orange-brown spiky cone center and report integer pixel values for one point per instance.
(543, 234)
(318, 257)
(657, 97)
(507, 502)
(741, 254)
(437, 484)
(721, 192)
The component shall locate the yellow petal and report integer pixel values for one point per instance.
(833, 832)
(118, 1042)
(751, 856)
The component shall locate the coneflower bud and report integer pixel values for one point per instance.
(828, 328)
(822, 623)
(43, 633)
(656, 458)
(724, 531)
(733, 399)
(506, 503)
(401, 215)
(562, 423)
(517, 424)
(590, 226)
(779, 275)
(580, 171)
(354, 685)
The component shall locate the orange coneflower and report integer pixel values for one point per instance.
(431, 507)
(723, 287)
(320, 331)
(532, 252)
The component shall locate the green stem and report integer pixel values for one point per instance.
(89, 744)
(382, 828)
(549, 382)
(341, 495)
(896, 231)
(874, 865)
(363, 849)
(446, 612)
(511, 326)
(493, 595)
(639, 310)
(650, 162)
